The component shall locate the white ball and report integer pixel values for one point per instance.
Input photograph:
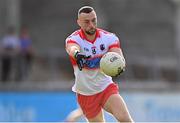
(112, 64)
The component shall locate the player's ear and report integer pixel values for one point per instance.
(78, 22)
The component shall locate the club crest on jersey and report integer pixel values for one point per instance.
(93, 50)
(102, 47)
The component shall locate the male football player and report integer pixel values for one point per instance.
(95, 90)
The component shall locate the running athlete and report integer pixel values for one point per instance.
(95, 90)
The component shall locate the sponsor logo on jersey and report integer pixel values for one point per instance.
(93, 50)
(93, 63)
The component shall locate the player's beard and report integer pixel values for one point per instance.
(91, 31)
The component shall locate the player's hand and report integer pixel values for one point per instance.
(80, 59)
(120, 71)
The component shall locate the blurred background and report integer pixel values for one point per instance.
(36, 73)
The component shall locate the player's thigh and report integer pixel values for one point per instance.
(116, 106)
(98, 118)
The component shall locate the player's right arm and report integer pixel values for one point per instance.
(72, 49)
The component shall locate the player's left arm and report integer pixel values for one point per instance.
(117, 50)
(115, 45)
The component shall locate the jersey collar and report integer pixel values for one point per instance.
(83, 36)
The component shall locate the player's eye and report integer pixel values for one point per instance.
(94, 20)
(86, 22)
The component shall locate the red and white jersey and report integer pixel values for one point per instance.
(91, 80)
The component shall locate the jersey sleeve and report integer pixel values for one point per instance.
(71, 41)
(73, 38)
(114, 42)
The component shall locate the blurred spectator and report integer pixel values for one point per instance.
(10, 50)
(26, 53)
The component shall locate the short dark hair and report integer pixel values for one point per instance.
(85, 9)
